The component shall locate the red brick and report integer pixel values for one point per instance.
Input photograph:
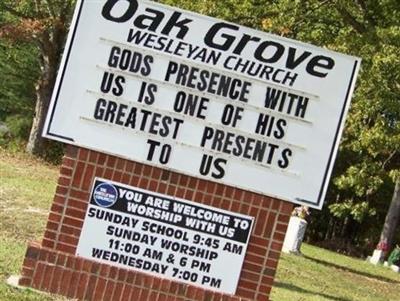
(29, 263)
(79, 195)
(83, 154)
(147, 170)
(261, 297)
(118, 291)
(82, 286)
(281, 228)
(65, 281)
(262, 242)
(254, 259)
(93, 156)
(226, 204)
(38, 275)
(191, 292)
(246, 275)
(260, 222)
(229, 192)
(131, 277)
(54, 217)
(275, 204)
(52, 226)
(73, 284)
(200, 293)
(70, 263)
(109, 290)
(277, 246)
(55, 282)
(60, 200)
(50, 235)
(61, 259)
(88, 177)
(113, 272)
(25, 281)
(101, 160)
(129, 167)
(120, 164)
(126, 294)
(27, 272)
(100, 289)
(269, 225)
(78, 263)
(189, 195)
(171, 190)
(66, 248)
(235, 207)
(104, 270)
(122, 273)
(95, 268)
(117, 176)
(67, 163)
(70, 230)
(108, 174)
(135, 294)
(249, 285)
(125, 178)
(286, 208)
(245, 293)
(75, 213)
(274, 255)
(78, 174)
(64, 181)
(43, 255)
(47, 277)
(99, 172)
(111, 160)
(252, 267)
(48, 243)
(77, 204)
(61, 190)
(52, 257)
(73, 222)
(87, 266)
(210, 188)
(162, 188)
(279, 237)
(284, 219)
(267, 280)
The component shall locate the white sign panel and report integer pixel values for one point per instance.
(167, 237)
(203, 97)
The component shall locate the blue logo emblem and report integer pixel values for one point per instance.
(105, 195)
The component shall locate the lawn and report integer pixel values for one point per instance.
(26, 190)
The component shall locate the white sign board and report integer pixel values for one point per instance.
(202, 97)
(167, 237)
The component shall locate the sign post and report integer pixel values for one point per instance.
(208, 129)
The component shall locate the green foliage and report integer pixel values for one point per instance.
(19, 69)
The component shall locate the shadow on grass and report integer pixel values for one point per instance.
(346, 269)
(305, 291)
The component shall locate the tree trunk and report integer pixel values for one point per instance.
(392, 218)
(51, 45)
(44, 88)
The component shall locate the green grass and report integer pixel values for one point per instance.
(323, 275)
(26, 190)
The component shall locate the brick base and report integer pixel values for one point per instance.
(53, 267)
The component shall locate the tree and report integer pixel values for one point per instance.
(19, 70)
(392, 219)
(368, 159)
(44, 23)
